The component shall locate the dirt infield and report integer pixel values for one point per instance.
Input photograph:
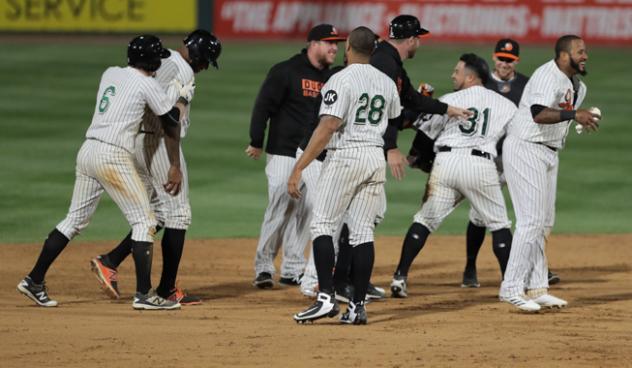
(439, 325)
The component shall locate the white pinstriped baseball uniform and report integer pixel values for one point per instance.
(530, 160)
(106, 159)
(173, 212)
(352, 179)
(459, 170)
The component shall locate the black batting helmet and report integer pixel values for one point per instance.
(404, 26)
(204, 49)
(145, 51)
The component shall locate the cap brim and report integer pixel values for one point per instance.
(214, 63)
(422, 32)
(333, 39)
(165, 54)
(506, 55)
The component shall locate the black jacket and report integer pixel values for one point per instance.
(387, 60)
(289, 98)
(511, 89)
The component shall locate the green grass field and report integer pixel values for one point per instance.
(48, 93)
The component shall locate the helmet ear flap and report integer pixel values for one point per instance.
(204, 49)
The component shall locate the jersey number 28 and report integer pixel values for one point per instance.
(470, 127)
(370, 109)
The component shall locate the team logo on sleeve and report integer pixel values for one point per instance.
(330, 97)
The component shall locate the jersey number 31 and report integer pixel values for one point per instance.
(470, 126)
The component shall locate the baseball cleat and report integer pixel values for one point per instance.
(325, 306)
(107, 277)
(375, 292)
(398, 287)
(263, 281)
(36, 292)
(522, 302)
(291, 281)
(470, 280)
(153, 301)
(550, 301)
(180, 296)
(355, 314)
(344, 292)
(553, 278)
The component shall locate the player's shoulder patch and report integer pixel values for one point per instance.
(330, 97)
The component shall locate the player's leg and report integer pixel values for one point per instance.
(554, 278)
(481, 186)
(295, 237)
(474, 237)
(85, 198)
(440, 199)
(526, 167)
(275, 219)
(340, 175)
(309, 281)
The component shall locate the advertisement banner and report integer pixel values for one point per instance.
(602, 21)
(98, 15)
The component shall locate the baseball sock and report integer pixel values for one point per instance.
(474, 240)
(501, 242)
(53, 246)
(172, 246)
(413, 242)
(324, 262)
(363, 258)
(142, 253)
(118, 254)
(343, 263)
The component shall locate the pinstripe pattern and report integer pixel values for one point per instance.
(283, 222)
(353, 174)
(458, 174)
(118, 123)
(548, 86)
(105, 162)
(173, 212)
(102, 166)
(531, 169)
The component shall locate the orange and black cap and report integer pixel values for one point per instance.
(324, 32)
(507, 49)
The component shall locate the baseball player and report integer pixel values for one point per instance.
(288, 98)
(105, 162)
(508, 82)
(356, 105)
(199, 50)
(464, 166)
(530, 158)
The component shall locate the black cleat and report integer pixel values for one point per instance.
(553, 278)
(355, 314)
(263, 281)
(344, 292)
(470, 280)
(36, 292)
(291, 281)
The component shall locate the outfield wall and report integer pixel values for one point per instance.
(529, 21)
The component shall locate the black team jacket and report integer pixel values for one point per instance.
(289, 99)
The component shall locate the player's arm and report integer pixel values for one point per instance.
(322, 135)
(171, 126)
(267, 104)
(546, 115)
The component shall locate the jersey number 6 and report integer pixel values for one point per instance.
(105, 100)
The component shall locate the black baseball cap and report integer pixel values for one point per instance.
(404, 26)
(507, 49)
(324, 32)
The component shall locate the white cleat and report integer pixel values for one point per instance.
(398, 287)
(550, 301)
(522, 302)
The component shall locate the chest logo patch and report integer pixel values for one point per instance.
(568, 101)
(330, 97)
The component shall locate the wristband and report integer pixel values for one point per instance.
(567, 115)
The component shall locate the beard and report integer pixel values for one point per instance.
(576, 67)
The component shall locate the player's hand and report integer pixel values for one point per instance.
(185, 91)
(459, 113)
(293, 184)
(588, 120)
(253, 152)
(397, 162)
(174, 180)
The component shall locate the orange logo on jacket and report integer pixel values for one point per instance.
(311, 88)
(568, 101)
